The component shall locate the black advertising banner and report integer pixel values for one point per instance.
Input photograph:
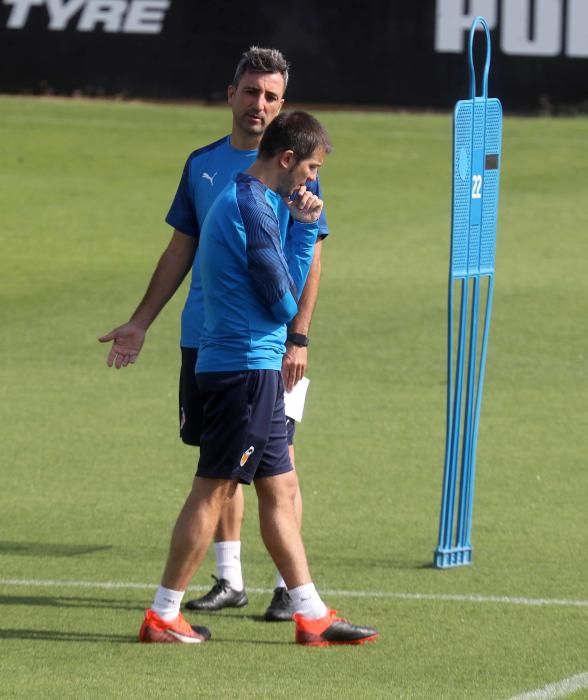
(400, 53)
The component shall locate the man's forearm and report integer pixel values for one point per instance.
(299, 252)
(171, 269)
(306, 305)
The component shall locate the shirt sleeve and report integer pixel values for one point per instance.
(266, 263)
(300, 240)
(300, 251)
(182, 213)
(323, 227)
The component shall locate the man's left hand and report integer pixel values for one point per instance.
(293, 365)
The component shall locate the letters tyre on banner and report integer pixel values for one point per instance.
(187, 49)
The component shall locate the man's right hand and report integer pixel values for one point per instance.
(127, 340)
(306, 207)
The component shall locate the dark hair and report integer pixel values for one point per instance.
(297, 131)
(257, 60)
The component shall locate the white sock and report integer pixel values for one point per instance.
(167, 603)
(307, 601)
(280, 583)
(228, 563)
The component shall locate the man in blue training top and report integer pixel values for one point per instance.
(256, 96)
(251, 288)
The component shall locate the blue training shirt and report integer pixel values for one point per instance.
(206, 173)
(250, 289)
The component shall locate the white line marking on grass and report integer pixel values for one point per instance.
(460, 598)
(449, 597)
(561, 689)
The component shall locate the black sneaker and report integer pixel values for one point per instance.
(281, 608)
(220, 596)
(331, 630)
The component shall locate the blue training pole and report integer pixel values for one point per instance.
(477, 144)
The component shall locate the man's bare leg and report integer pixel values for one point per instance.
(231, 519)
(194, 530)
(298, 496)
(191, 537)
(228, 591)
(281, 535)
(227, 549)
(280, 528)
(315, 623)
(281, 608)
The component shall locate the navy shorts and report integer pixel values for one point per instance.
(190, 402)
(244, 433)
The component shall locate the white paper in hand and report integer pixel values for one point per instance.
(294, 400)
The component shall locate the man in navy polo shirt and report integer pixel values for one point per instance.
(251, 287)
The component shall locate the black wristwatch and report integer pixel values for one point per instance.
(298, 339)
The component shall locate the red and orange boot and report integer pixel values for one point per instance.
(330, 630)
(154, 629)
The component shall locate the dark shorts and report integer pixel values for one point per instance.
(244, 433)
(190, 402)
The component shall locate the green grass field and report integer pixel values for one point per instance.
(92, 473)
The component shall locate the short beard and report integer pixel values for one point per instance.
(286, 183)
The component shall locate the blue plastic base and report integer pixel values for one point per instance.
(449, 558)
